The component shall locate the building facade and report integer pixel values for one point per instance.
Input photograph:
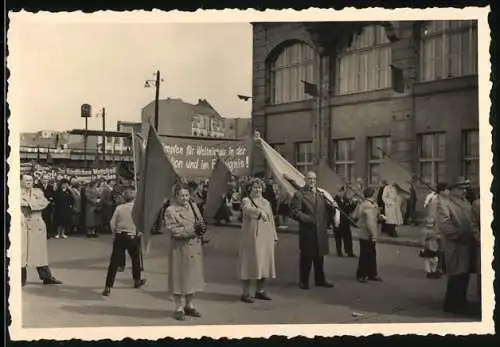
(430, 126)
(179, 118)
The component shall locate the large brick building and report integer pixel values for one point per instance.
(431, 127)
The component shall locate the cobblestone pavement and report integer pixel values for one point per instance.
(404, 296)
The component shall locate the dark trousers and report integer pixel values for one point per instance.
(343, 235)
(305, 268)
(367, 265)
(120, 244)
(456, 292)
(48, 218)
(44, 273)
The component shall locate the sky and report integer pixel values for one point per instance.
(57, 66)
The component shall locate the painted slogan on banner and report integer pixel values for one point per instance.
(197, 157)
(84, 175)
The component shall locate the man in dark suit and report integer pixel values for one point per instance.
(48, 212)
(311, 209)
(343, 231)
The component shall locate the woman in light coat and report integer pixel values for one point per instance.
(392, 209)
(258, 237)
(34, 232)
(183, 221)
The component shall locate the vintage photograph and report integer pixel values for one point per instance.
(170, 173)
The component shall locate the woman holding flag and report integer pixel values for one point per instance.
(258, 239)
(186, 228)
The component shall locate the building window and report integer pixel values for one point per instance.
(471, 155)
(376, 156)
(448, 49)
(343, 158)
(303, 156)
(431, 158)
(365, 64)
(293, 65)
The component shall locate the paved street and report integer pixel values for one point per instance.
(404, 296)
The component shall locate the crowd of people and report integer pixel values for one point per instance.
(450, 234)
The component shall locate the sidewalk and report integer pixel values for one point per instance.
(409, 235)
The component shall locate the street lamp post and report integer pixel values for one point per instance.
(156, 82)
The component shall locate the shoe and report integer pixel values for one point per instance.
(52, 280)
(192, 312)
(325, 285)
(362, 280)
(246, 298)
(140, 283)
(179, 315)
(57, 236)
(121, 269)
(64, 236)
(106, 291)
(262, 296)
(375, 279)
(304, 286)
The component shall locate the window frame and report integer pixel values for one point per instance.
(304, 166)
(345, 164)
(380, 43)
(280, 69)
(371, 162)
(443, 36)
(474, 157)
(434, 160)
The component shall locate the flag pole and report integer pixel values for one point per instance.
(403, 168)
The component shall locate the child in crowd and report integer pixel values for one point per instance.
(430, 248)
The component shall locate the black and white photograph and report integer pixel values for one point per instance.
(249, 174)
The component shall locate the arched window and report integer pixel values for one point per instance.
(293, 65)
(448, 49)
(365, 64)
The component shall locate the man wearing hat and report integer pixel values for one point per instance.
(455, 226)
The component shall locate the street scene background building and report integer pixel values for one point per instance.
(430, 126)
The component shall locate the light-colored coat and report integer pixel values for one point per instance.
(257, 243)
(366, 215)
(392, 205)
(455, 226)
(185, 254)
(34, 231)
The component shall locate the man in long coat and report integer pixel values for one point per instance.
(455, 226)
(310, 208)
(34, 233)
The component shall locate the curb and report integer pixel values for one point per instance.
(407, 242)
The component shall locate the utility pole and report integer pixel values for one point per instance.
(149, 84)
(157, 99)
(85, 112)
(104, 134)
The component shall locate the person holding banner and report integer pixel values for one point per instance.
(312, 211)
(185, 226)
(257, 246)
(34, 233)
(126, 237)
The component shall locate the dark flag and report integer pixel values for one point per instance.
(398, 79)
(158, 177)
(218, 187)
(311, 89)
(244, 97)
